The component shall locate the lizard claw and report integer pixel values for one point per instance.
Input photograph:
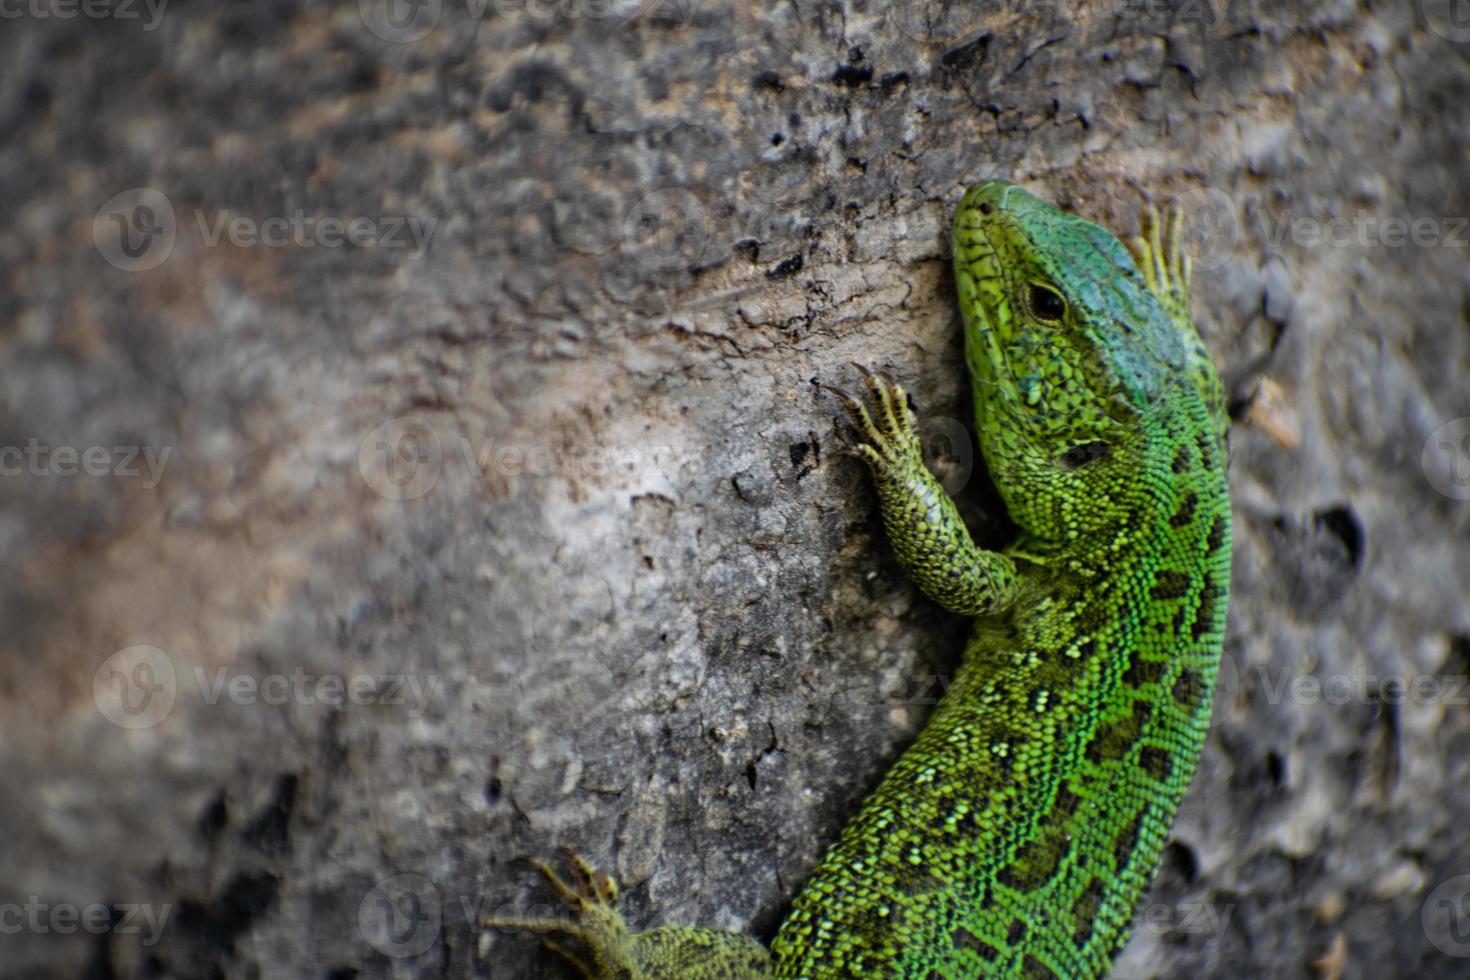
(591, 896)
(885, 436)
(1158, 250)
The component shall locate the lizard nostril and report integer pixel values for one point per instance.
(985, 207)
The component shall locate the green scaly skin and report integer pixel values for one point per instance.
(1016, 835)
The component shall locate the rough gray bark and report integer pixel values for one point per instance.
(565, 477)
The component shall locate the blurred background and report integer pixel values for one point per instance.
(410, 459)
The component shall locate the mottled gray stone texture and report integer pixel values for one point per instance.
(419, 466)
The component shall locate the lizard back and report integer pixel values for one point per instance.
(1017, 834)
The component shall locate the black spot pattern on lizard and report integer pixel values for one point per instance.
(1003, 751)
(1037, 860)
(915, 879)
(1177, 622)
(1204, 617)
(1034, 969)
(1015, 932)
(1094, 618)
(1067, 802)
(1085, 910)
(1113, 740)
(1185, 513)
(1086, 453)
(1182, 460)
(1216, 537)
(1170, 584)
(1127, 840)
(1204, 440)
(1156, 762)
(963, 938)
(1189, 689)
(1143, 670)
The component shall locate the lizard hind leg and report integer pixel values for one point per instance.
(595, 924)
(615, 953)
(1160, 255)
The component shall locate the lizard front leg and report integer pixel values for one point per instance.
(922, 522)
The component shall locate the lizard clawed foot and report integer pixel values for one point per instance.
(1158, 250)
(887, 436)
(591, 896)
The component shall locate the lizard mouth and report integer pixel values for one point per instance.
(980, 228)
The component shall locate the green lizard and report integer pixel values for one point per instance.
(1016, 835)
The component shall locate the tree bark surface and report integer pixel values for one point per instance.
(448, 482)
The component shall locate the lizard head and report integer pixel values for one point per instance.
(1069, 352)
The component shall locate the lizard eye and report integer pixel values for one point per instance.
(1046, 302)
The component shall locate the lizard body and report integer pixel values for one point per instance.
(1016, 835)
